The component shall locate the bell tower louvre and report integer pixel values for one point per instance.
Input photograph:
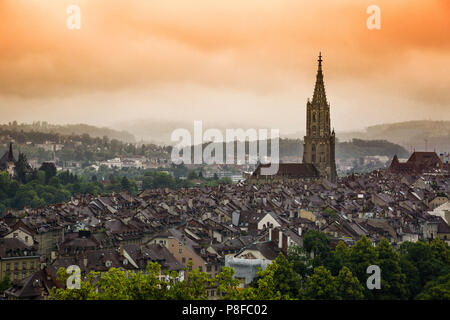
(319, 142)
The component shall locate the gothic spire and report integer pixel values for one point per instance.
(319, 97)
(10, 153)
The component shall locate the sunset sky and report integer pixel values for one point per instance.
(243, 62)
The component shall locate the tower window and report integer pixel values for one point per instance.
(314, 117)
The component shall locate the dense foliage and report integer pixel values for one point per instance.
(315, 272)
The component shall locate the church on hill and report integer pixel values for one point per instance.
(319, 142)
(8, 162)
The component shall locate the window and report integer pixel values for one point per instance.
(190, 268)
(216, 267)
(212, 293)
(15, 275)
(24, 265)
(183, 260)
(208, 268)
(32, 265)
(200, 268)
(16, 265)
(8, 266)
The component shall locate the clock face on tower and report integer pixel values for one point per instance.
(319, 142)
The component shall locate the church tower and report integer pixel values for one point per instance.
(319, 142)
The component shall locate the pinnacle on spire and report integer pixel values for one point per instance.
(320, 97)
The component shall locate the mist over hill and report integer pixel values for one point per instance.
(293, 148)
(69, 129)
(411, 134)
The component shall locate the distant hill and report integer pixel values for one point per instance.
(356, 148)
(410, 134)
(70, 129)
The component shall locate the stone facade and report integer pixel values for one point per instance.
(319, 142)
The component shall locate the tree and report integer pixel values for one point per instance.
(361, 256)
(125, 183)
(192, 175)
(438, 289)
(393, 280)
(228, 286)
(318, 244)
(413, 284)
(266, 286)
(341, 255)
(5, 283)
(117, 284)
(348, 286)
(50, 170)
(440, 251)
(301, 262)
(287, 281)
(22, 168)
(425, 261)
(321, 285)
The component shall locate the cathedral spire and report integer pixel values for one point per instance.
(10, 153)
(320, 62)
(319, 97)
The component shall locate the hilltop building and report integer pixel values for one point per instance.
(8, 162)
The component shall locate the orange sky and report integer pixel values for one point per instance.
(246, 62)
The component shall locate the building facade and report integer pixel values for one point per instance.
(319, 142)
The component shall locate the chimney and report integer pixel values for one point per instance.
(85, 261)
(270, 234)
(280, 239)
(121, 249)
(300, 231)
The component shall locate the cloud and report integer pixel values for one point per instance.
(257, 48)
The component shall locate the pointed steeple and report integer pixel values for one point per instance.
(395, 160)
(10, 153)
(319, 97)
